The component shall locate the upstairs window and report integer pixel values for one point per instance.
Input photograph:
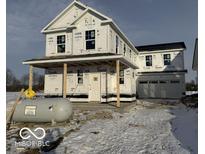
(130, 53)
(90, 39)
(61, 44)
(80, 76)
(167, 59)
(122, 79)
(148, 60)
(124, 49)
(117, 44)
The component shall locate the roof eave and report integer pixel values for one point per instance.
(155, 51)
(59, 29)
(84, 59)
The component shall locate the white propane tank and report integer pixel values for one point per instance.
(43, 110)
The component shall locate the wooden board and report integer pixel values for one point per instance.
(118, 82)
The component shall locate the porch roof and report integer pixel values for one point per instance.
(82, 60)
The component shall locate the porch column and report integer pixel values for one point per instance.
(118, 82)
(30, 84)
(64, 80)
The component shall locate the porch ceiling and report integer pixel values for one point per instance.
(88, 60)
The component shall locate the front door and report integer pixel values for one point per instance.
(94, 87)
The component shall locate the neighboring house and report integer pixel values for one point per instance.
(161, 72)
(88, 58)
(195, 59)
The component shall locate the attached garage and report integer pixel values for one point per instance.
(161, 86)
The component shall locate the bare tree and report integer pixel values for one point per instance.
(11, 78)
(12, 83)
(38, 80)
(24, 80)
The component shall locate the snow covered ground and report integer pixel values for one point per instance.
(11, 96)
(185, 127)
(142, 130)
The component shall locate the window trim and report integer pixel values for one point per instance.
(80, 75)
(59, 44)
(122, 77)
(167, 59)
(148, 60)
(87, 39)
(116, 44)
(124, 49)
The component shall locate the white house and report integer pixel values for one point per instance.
(88, 58)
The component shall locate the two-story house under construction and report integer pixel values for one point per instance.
(88, 58)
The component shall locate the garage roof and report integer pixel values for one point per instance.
(164, 46)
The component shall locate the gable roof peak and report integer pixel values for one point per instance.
(78, 3)
(75, 2)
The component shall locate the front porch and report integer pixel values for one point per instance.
(66, 62)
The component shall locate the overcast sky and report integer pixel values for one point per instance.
(143, 21)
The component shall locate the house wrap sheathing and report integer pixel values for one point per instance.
(88, 58)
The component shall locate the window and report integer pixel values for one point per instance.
(117, 44)
(174, 81)
(61, 44)
(167, 59)
(90, 39)
(130, 53)
(143, 82)
(122, 77)
(148, 60)
(153, 82)
(124, 49)
(163, 81)
(80, 76)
